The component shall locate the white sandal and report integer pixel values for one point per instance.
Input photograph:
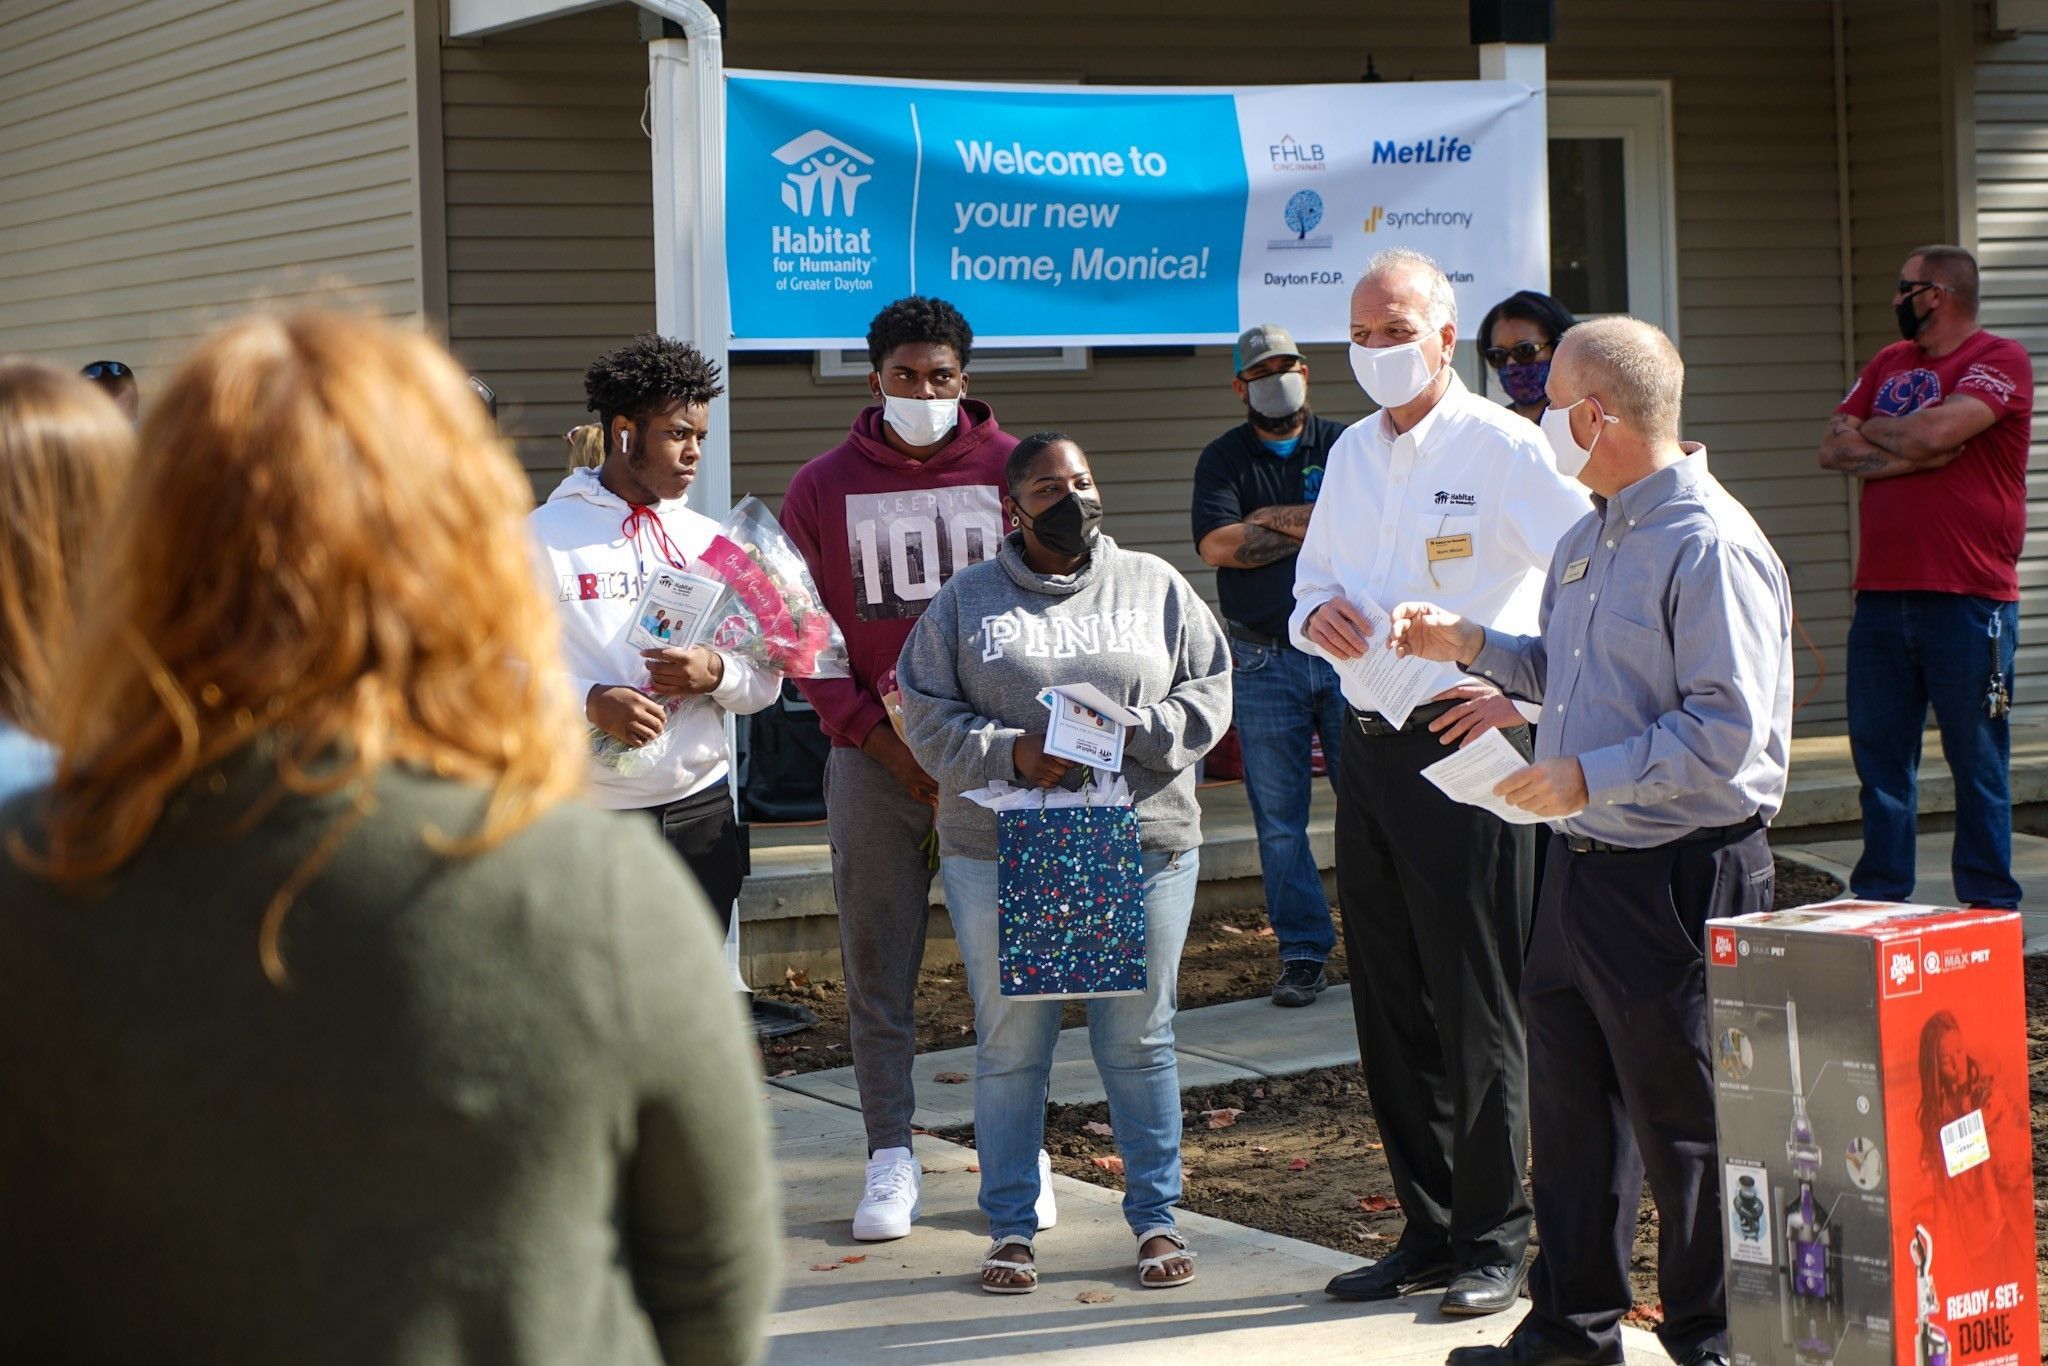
(1028, 1270)
(1158, 1264)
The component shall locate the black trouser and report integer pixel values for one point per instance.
(706, 835)
(1615, 993)
(1436, 899)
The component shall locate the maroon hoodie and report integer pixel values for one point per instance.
(882, 533)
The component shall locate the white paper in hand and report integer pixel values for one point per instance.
(1394, 684)
(1087, 727)
(1469, 775)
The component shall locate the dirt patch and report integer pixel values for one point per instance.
(1230, 956)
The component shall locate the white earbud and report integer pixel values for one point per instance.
(625, 442)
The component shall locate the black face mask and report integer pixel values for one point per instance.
(1070, 527)
(1910, 322)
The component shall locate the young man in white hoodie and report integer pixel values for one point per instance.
(604, 531)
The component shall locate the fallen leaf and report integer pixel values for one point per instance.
(1261, 1149)
(970, 1169)
(1188, 1173)
(785, 1072)
(1230, 929)
(824, 1266)
(1265, 931)
(966, 1029)
(1095, 1297)
(1096, 1126)
(1258, 1093)
(1378, 1204)
(796, 977)
(1300, 1164)
(1113, 1165)
(950, 1078)
(917, 1130)
(1221, 1119)
(1645, 1315)
(1376, 1147)
(853, 1261)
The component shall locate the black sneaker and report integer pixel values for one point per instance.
(1301, 981)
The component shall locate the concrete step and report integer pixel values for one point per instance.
(788, 915)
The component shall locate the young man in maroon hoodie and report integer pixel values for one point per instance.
(913, 494)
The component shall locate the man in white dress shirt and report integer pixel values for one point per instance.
(1445, 497)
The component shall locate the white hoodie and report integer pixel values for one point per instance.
(597, 575)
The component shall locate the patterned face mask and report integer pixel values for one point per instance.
(1524, 383)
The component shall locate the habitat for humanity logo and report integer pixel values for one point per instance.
(1302, 214)
(1291, 154)
(823, 181)
(826, 176)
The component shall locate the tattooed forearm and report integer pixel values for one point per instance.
(1263, 545)
(1291, 518)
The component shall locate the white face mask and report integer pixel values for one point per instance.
(1557, 430)
(920, 421)
(1392, 375)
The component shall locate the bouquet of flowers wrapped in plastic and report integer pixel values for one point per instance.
(772, 615)
(630, 761)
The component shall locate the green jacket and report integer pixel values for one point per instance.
(505, 1110)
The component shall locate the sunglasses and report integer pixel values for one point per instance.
(1521, 353)
(107, 369)
(1909, 288)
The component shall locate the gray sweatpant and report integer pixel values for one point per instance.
(884, 890)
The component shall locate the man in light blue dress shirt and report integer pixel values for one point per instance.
(1664, 670)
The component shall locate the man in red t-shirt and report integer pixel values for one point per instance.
(1937, 426)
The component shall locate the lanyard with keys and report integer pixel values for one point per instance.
(1997, 701)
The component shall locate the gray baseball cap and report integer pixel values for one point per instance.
(1259, 342)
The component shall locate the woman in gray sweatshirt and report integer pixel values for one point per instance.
(1063, 604)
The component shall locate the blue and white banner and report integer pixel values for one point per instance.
(1077, 215)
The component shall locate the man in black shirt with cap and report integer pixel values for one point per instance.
(1254, 486)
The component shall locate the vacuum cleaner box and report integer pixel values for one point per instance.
(1870, 1081)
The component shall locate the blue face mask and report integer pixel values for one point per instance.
(1283, 449)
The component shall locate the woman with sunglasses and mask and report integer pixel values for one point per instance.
(1516, 339)
(1060, 604)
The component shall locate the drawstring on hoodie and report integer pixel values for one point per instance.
(640, 518)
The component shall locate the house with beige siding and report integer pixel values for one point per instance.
(1748, 173)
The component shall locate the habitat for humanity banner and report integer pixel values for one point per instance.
(1071, 215)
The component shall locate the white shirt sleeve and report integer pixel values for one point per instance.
(1315, 574)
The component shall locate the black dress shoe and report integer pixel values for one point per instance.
(1395, 1274)
(1704, 1356)
(1526, 1347)
(1484, 1289)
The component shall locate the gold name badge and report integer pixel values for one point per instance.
(1576, 570)
(1450, 548)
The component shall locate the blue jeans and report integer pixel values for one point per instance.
(1905, 651)
(1130, 1036)
(1283, 695)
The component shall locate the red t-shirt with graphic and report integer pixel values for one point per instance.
(1957, 529)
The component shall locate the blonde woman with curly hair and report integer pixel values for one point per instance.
(332, 1027)
(64, 449)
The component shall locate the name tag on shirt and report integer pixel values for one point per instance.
(1576, 570)
(1457, 547)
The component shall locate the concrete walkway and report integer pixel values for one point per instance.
(1257, 1297)
(1931, 858)
(1235, 1042)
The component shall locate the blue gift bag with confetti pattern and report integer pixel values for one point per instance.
(1070, 902)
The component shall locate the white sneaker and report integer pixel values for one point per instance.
(1048, 1212)
(890, 1202)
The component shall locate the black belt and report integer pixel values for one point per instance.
(1251, 637)
(1374, 724)
(1720, 834)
